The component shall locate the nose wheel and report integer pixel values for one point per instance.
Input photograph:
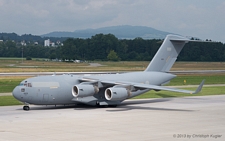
(26, 108)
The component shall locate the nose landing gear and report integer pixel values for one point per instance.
(26, 106)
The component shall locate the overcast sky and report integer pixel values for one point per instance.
(199, 18)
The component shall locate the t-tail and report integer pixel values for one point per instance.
(167, 53)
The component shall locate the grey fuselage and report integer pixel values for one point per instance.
(57, 89)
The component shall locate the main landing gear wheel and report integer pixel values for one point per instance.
(26, 108)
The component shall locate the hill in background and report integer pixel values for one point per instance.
(121, 32)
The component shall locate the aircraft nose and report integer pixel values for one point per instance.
(16, 93)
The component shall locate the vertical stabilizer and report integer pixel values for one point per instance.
(167, 53)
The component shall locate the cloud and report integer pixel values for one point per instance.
(196, 18)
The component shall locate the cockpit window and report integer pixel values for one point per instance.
(29, 85)
(21, 84)
(25, 84)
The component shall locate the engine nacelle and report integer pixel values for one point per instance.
(115, 94)
(84, 90)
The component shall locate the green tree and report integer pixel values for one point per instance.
(28, 58)
(52, 56)
(69, 49)
(112, 56)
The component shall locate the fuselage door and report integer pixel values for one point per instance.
(45, 97)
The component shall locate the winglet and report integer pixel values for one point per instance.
(199, 87)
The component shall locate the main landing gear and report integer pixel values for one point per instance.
(26, 107)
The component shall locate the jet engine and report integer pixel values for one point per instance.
(115, 94)
(84, 90)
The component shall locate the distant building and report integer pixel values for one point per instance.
(52, 44)
(76, 61)
(35, 43)
(1, 40)
(58, 42)
(47, 42)
(23, 43)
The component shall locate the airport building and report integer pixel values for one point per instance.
(47, 42)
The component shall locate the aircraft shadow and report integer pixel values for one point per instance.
(130, 105)
(124, 106)
(164, 95)
(127, 108)
(119, 107)
(57, 107)
(143, 101)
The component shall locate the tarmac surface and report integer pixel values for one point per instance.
(170, 119)
(94, 73)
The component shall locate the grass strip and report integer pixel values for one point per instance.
(8, 83)
(8, 101)
(196, 80)
(165, 94)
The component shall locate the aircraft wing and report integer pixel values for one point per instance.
(147, 86)
(154, 87)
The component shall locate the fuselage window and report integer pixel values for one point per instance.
(23, 90)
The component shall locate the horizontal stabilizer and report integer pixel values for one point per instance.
(189, 40)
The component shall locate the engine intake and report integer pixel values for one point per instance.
(115, 94)
(84, 90)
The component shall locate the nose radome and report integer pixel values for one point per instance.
(16, 93)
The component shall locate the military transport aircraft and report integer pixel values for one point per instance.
(107, 89)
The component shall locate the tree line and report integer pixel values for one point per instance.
(108, 47)
(11, 49)
(28, 38)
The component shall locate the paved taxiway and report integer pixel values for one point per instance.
(94, 73)
(189, 118)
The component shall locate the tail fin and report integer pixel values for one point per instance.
(167, 53)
